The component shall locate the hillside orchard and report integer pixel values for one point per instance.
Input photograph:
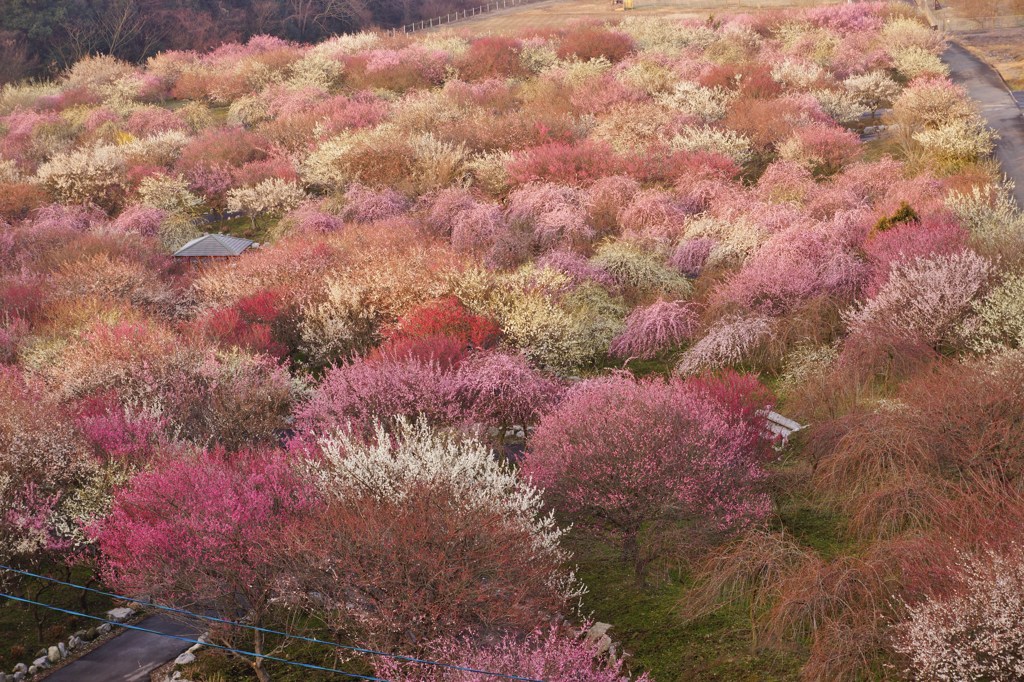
(519, 308)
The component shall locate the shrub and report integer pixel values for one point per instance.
(212, 549)
(690, 255)
(446, 317)
(130, 435)
(272, 197)
(502, 390)
(604, 199)
(909, 240)
(551, 654)
(355, 396)
(874, 90)
(719, 141)
(971, 633)
(958, 142)
(639, 270)
(653, 329)
(554, 215)
(432, 509)
(231, 399)
(443, 351)
(95, 176)
(594, 42)
(730, 342)
(19, 199)
(366, 205)
(904, 214)
(654, 215)
(824, 149)
(556, 325)
(491, 57)
(310, 218)
(793, 266)
(990, 214)
(620, 453)
(924, 300)
(140, 220)
(565, 163)
(707, 104)
(997, 321)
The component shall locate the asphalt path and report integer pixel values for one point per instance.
(130, 656)
(997, 105)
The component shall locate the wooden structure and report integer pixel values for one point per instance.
(213, 247)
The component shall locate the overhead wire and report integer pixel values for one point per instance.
(242, 652)
(269, 631)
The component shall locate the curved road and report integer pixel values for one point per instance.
(131, 655)
(998, 107)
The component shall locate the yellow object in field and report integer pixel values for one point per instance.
(627, 4)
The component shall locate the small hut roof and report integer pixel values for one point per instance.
(214, 245)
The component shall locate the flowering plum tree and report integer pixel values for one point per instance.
(353, 396)
(422, 507)
(213, 549)
(552, 654)
(656, 328)
(924, 300)
(618, 453)
(502, 390)
(446, 317)
(972, 633)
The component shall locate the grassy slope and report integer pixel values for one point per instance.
(18, 625)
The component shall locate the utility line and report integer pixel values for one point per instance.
(312, 640)
(242, 652)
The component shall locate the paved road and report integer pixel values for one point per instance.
(997, 106)
(130, 656)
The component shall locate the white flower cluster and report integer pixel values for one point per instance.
(998, 319)
(708, 104)
(872, 90)
(913, 62)
(976, 633)
(798, 74)
(959, 141)
(414, 454)
(272, 196)
(84, 176)
(170, 193)
(841, 105)
(707, 139)
(991, 214)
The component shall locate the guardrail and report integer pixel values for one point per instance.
(460, 15)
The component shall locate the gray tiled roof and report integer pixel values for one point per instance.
(214, 245)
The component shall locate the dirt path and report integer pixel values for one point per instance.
(998, 107)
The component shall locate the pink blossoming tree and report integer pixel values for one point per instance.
(618, 454)
(200, 534)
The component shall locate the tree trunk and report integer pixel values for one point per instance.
(632, 555)
(257, 663)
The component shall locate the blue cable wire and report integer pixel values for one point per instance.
(243, 652)
(312, 640)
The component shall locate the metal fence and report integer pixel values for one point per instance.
(452, 17)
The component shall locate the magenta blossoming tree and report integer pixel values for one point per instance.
(202, 534)
(502, 390)
(619, 453)
(353, 396)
